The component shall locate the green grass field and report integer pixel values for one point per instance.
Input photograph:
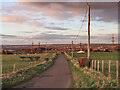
(98, 55)
(8, 62)
(86, 78)
(12, 79)
(106, 56)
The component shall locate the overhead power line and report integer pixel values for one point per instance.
(81, 25)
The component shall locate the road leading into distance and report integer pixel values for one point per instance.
(58, 76)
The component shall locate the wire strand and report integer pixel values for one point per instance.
(81, 25)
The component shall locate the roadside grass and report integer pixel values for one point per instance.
(106, 56)
(88, 78)
(24, 75)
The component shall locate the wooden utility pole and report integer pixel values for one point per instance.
(112, 41)
(39, 44)
(80, 45)
(39, 48)
(72, 48)
(117, 71)
(89, 32)
(32, 49)
(46, 47)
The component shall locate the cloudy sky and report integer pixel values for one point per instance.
(57, 22)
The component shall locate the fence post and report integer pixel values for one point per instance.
(98, 66)
(8, 68)
(102, 66)
(95, 65)
(117, 71)
(35, 63)
(109, 67)
(92, 64)
(26, 66)
(14, 68)
(29, 65)
(22, 67)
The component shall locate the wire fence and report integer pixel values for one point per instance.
(110, 68)
(107, 67)
(8, 69)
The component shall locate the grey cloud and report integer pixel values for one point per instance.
(107, 36)
(50, 32)
(25, 32)
(56, 28)
(97, 38)
(57, 36)
(7, 36)
(106, 11)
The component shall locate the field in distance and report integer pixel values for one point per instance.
(98, 55)
(8, 61)
(106, 56)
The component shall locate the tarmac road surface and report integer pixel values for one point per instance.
(58, 76)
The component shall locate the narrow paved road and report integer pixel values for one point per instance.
(58, 76)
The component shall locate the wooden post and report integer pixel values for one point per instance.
(29, 64)
(89, 33)
(109, 67)
(46, 47)
(8, 68)
(14, 68)
(26, 66)
(98, 66)
(92, 64)
(39, 48)
(95, 64)
(112, 41)
(35, 62)
(102, 66)
(22, 67)
(72, 49)
(117, 71)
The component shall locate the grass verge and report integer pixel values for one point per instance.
(86, 78)
(24, 75)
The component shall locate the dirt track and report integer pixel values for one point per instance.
(58, 76)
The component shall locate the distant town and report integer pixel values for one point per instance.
(58, 48)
